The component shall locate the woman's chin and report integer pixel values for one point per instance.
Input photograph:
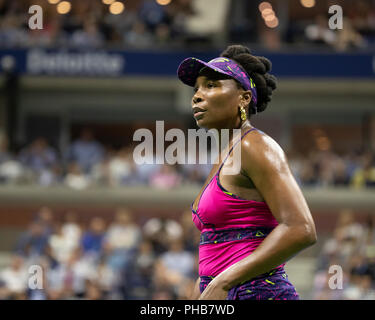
(202, 124)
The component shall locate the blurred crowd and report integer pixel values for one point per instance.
(89, 24)
(147, 24)
(358, 28)
(119, 258)
(346, 263)
(318, 168)
(87, 163)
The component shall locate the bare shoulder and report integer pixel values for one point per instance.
(259, 149)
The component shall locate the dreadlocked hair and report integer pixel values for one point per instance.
(257, 68)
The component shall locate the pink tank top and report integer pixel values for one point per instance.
(231, 227)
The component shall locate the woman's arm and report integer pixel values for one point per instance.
(265, 163)
(196, 291)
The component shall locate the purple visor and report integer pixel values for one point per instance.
(188, 72)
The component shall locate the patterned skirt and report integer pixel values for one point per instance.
(273, 285)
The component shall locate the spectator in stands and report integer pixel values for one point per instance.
(166, 178)
(319, 32)
(152, 14)
(362, 16)
(108, 280)
(138, 36)
(144, 171)
(175, 267)
(15, 279)
(137, 277)
(308, 175)
(92, 239)
(41, 159)
(162, 34)
(348, 37)
(75, 177)
(71, 227)
(161, 231)
(352, 248)
(11, 32)
(75, 273)
(121, 239)
(178, 260)
(89, 36)
(192, 170)
(62, 245)
(365, 175)
(121, 168)
(340, 173)
(34, 241)
(38, 155)
(85, 151)
(45, 218)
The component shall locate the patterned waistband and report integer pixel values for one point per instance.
(234, 234)
(276, 272)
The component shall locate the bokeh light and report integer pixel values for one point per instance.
(64, 7)
(267, 12)
(264, 5)
(116, 7)
(108, 1)
(272, 23)
(308, 3)
(163, 2)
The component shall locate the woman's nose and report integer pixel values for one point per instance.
(196, 100)
(197, 97)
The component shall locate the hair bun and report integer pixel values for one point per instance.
(267, 63)
(234, 50)
(271, 81)
(257, 67)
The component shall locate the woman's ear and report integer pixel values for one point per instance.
(246, 97)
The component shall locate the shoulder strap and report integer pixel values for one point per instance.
(231, 149)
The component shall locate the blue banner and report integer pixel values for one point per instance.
(122, 63)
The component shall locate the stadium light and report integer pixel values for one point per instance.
(64, 7)
(272, 23)
(270, 17)
(116, 7)
(108, 1)
(267, 12)
(163, 2)
(53, 1)
(308, 3)
(264, 5)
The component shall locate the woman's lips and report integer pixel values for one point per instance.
(199, 115)
(198, 112)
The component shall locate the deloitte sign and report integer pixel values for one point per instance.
(74, 63)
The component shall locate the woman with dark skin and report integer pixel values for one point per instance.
(219, 102)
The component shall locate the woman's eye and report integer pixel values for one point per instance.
(210, 85)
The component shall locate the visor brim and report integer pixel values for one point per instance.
(188, 70)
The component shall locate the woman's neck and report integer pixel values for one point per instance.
(227, 139)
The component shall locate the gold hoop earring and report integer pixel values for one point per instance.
(243, 113)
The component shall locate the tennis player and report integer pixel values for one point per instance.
(252, 222)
